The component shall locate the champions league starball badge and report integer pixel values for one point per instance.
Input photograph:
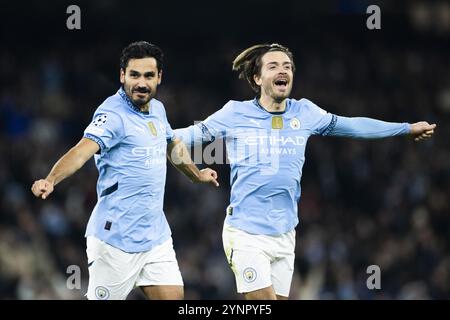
(99, 120)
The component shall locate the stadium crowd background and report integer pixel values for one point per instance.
(384, 202)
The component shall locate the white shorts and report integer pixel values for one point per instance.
(260, 261)
(113, 273)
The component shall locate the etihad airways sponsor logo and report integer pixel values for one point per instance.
(149, 151)
(274, 140)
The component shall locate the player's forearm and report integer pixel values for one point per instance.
(189, 170)
(367, 128)
(67, 165)
(180, 158)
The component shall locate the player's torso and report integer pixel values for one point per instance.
(142, 150)
(138, 161)
(129, 212)
(269, 142)
(266, 153)
(144, 146)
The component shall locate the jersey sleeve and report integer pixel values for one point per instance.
(219, 123)
(192, 135)
(106, 129)
(170, 135)
(321, 121)
(367, 128)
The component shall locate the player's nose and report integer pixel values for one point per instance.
(141, 83)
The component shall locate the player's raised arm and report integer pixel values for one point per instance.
(180, 158)
(67, 165)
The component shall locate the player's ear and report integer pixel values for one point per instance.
(122, 76)
(160, 77)
(257, 79)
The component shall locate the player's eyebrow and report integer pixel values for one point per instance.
(276, 63)
(146, 74)
(134, 72)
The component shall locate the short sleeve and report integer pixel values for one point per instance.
(219, 123)
(106, 129)
(170, 135)
(321, 121)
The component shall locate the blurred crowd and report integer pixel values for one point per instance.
(381, 202)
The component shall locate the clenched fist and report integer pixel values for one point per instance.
(42, 188)
(208, 176)
(422, 130)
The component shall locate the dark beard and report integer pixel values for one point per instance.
(138, 102)
(279, 99)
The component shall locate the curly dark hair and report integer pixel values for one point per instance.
(139, 50)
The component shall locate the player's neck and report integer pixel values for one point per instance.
(271, 105)
(145, 107)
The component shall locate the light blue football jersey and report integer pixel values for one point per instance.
(132, 173)
(266, 152)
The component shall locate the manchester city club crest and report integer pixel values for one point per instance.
(249, 274)
(295, 124)
(101, 293)
(99, 120)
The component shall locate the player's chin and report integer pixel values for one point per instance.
(279, 96)
(282, 93)
(141, 101)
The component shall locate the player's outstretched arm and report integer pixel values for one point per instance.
(180, 158)
(367, 128)
(68, 164)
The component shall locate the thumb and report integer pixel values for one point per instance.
(214, 182)
(45, 194)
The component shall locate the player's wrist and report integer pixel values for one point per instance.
(51, 180)
(409, 128)
(196, 178)
(193, 174)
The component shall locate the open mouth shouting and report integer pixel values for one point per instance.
(281, 84)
